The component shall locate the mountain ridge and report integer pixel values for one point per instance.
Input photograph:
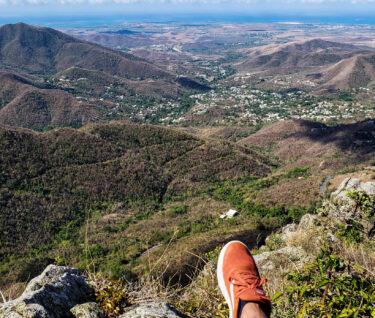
(48, 60)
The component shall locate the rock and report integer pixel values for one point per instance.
(332, 239)
(369, 188)
(288, 231)
(301, 243)
(88, 310)
(230, 214)
(343, 209)
(285, 258)
(350, 184)
(308, 222)
(153, 310)
(50, 295)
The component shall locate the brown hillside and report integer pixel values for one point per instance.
(326, 67)
(354, 72)
(38, 109)
(297, 55)
(303, 140)
(45, 51)
(30, 104)
(94, 82)
(30, 48)
(318, 151)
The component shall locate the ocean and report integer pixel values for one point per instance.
(69, 21)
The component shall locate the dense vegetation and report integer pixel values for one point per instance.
(112, 175)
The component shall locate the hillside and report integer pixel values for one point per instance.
(308, 154)
(51, 79)
(357, 71)
(301, 261)
(113, 178)
(325, 67)
(35, 105)
(45, 51)
(296, 55)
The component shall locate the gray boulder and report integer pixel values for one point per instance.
(153, 310)
(339, 197)
(50, 295)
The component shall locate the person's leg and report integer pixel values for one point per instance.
(253, 310)
(239, 281)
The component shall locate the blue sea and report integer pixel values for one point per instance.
(65, 21)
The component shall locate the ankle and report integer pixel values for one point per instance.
(253, 310)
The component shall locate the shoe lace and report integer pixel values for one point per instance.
(247, 280)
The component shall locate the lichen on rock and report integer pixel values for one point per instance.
(88, 310)
(50, 295)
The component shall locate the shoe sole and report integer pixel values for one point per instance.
(220, 277)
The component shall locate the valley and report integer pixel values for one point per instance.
(248, 73)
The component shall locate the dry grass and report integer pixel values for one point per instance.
(359, 254)
(202, 298)
(309, 240)
(11, 292)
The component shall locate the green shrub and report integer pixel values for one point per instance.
(110, 229)
(274, 242)
(178, 209)
(161, 236)
(351, 233)
(298, 172)
(327, 288)
(96, 251)
(364, 202)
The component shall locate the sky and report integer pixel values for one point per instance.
(23, 9)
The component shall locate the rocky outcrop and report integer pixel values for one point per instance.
(50, 295)
(344, 209)
(297, 244)
(62, 292)
(153, 310)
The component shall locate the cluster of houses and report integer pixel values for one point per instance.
(246, 105)
(241, 105)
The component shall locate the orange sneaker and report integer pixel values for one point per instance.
(238, 278)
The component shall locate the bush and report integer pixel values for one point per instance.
(161, 236)
(298, 172)
(364, 202)
(328, 288)
(177, 210)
